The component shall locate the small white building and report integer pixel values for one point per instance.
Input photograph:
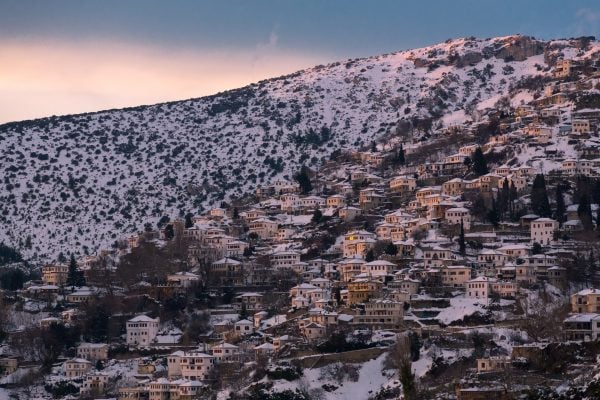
(197, 366)
(92, 351)
(456, 215)
(94, 384)
(284, 259)
(77, 367)
(349, 213)
(478, 288)
(226, 352)
(542, 230)
(403, 184)
(142, 330)
(243, 327)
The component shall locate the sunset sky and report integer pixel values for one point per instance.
(70, 56)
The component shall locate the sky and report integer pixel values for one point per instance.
(70, 56)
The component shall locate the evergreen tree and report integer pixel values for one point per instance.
(536, 248)
(188, 220)
(561, 210)
(461, 239)
(74, 276)
(243, 311)
(303, 180)
(512, 197)
(492, 214)
(415, 346)
(479, 209)
(539, 197)
(479, 162)
(504, 198)
(373, 147)
(598, 218)
(337, 295)
(169, 232)
(370, 256)
(391, 249)
(596, 191)
(584, 211)
(407, 378)
(401, 156)
(317, 216)
(236, 213)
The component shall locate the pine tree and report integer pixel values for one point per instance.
(512, 197)
(74, 276)
(461, 239)
(596, 191)
(504, 198)
(236, 213)
(401, 156)
(539, 197)
(492, 214)
(407, 378)
(317, 216)
(188, 220)
(479, 209)
(370, 256)
(584, 211)
(169, 232)
(391, 249)
(479, 162)
(304, 180)
(561, 210)
(243, 311)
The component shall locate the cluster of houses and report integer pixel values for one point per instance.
(401, 236)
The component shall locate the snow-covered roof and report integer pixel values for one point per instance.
(142, 318)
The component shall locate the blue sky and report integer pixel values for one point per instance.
(66, 56)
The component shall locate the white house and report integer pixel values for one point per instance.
(542, 230)
(77, 367)
(92, 351)
(455, 215)
(197, 366)
(264, 228)
(243, 327)
(479, 288)
(142, 330)
(284, 259)
(403, 184)
(226, 352)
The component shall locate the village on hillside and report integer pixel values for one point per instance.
(465, 266)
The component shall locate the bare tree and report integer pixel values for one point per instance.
(543, 315)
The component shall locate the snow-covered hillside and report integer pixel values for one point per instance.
(81, 181)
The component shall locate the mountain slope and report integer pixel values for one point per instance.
(83, 180)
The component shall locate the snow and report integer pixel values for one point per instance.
(111, 172)
(460, 307)
(370, 379)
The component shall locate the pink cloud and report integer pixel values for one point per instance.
(41, 79)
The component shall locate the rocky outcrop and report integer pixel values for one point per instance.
(519, 48)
